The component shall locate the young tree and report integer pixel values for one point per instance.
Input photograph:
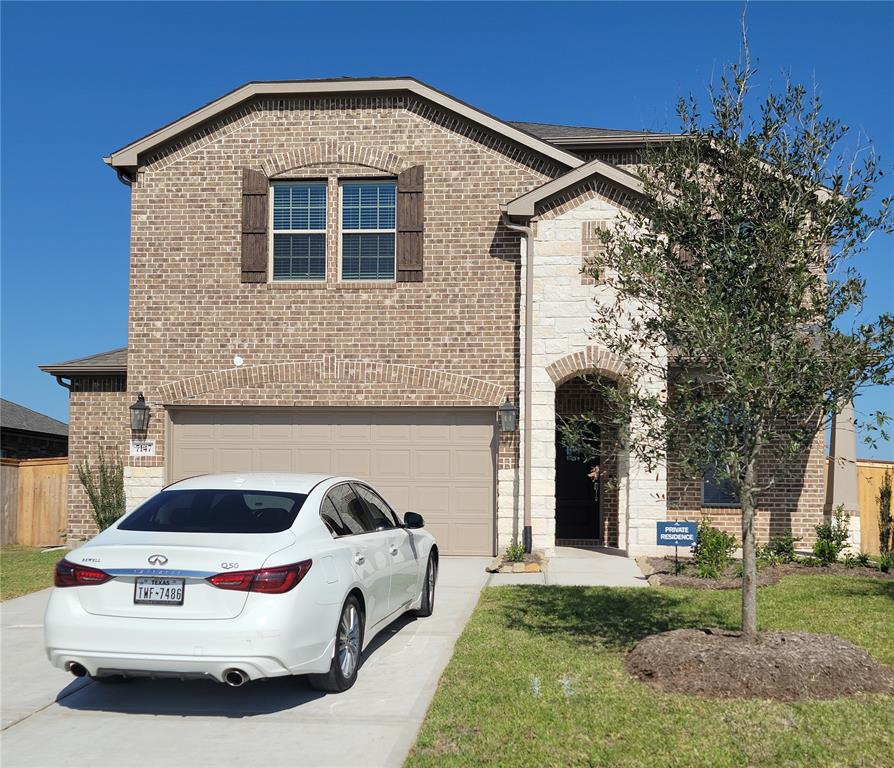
(732, 287)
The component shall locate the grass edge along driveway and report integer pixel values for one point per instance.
(25, 569)
(537, 679)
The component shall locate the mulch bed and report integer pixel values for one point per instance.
(660, 572)
(788, 666)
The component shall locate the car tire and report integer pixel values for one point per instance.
(348, 647)
(427, 606)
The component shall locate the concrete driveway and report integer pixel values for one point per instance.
(51, 719)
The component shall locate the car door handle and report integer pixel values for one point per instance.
(393, 550)
(359, 559)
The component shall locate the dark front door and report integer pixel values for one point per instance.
(577, 496)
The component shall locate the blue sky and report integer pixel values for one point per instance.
(82, 79)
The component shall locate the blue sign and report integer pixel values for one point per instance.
(673, 534)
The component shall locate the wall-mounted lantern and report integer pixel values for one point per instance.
(139, 417)
(508, 416)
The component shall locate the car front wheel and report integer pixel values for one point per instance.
(348, 645)
(427, 606)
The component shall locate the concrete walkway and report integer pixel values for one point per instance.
(52, 719)
(574, 567)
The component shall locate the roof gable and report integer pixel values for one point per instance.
(128, 156)
(525, 206)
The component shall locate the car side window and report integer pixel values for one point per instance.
(329, 515)
(378, 509)
(351, 510)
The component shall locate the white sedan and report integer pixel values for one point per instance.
(241, 577)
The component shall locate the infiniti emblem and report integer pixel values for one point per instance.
(157, 559)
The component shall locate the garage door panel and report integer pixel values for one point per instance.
(466, 536)
(236, 431)
(392, 463)
(432, 499)
(472, 500)
(310, 433)
(432, 464)
(310, 460)
(392, 433)
(471, 463)
(358, 432)
(280, 433)
(354, 462)
(194, 461)
(432, 433)
(274, 460)
(234, 460)
(473, 433)
(438, 462)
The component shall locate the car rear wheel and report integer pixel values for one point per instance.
(427, 606)
(348, 645)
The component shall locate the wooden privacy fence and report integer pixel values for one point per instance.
(869, 479)
(34, 496)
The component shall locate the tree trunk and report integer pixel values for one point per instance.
(749, 558)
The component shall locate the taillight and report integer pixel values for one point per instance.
(70, 574)
(272, 581)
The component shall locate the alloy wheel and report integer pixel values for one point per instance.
(349, 640)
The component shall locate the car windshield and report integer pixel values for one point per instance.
(216, 511)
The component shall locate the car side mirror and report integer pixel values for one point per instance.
(413, 520)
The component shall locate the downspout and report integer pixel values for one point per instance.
(528, 371)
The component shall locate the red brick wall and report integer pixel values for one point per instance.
(190, 314)
(794, 502)
(97, 420)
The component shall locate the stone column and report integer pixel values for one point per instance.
(841, 487)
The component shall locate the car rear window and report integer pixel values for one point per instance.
(216, 511)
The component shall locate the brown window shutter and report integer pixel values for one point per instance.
(410, 224)
(255, 196)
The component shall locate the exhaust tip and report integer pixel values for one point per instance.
(76, 669)
(235, 677)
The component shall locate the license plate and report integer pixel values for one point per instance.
(155, 591)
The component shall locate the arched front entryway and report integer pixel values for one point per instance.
(586, 483)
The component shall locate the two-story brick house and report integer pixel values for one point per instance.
(334, 276)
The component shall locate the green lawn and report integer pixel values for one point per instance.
(502, 700)
(24, 570)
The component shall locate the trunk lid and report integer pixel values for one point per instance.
(130, 556)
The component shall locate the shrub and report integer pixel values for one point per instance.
(864, 560)
(105, 489)
(885, 522)
(780, 549)
(886, 562)
(850, 561)
(713, 550)
(515, 552)
(831, 537)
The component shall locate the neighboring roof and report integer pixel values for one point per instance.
(15, 416)
(113, 361)
(525, 206)
(579, 135)
(128, 156)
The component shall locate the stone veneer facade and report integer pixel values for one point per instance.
(563, 350)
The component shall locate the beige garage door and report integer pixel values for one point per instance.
(439, 463)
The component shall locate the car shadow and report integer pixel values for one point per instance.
(207, 698)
